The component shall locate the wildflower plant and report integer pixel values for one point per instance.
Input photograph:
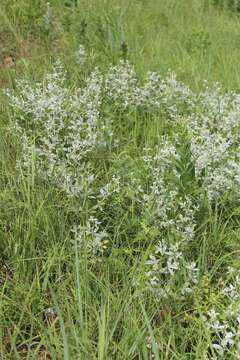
(223, 321)
(196, 161)
(62, 128)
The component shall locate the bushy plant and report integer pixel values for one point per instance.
(68, 135)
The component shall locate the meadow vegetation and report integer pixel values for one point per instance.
(120, 179)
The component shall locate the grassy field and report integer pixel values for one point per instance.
(120, 179)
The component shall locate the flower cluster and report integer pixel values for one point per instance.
(213, 129)
(166, 95)
(63, 131)
(174, 215)
(81, 55)
(224, 325)
(90, 236)
(167, 267)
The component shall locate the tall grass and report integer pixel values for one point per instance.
(73, 265)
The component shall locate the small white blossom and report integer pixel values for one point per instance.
(81, 55)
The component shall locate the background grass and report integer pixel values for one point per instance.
(51, 304)
(195, 38)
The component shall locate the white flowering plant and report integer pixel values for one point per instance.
(151, 206)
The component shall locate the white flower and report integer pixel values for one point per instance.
(81, 55)
(91, 236)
